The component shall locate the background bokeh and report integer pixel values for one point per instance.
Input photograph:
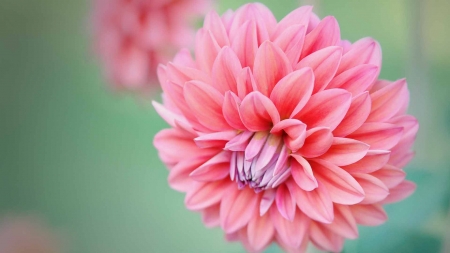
(82, 157)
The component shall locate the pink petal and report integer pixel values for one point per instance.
(316, 204)
(285, 202)
(295, 133)
(260, 232)
(271, 64)
(401, 160)
(341, 186)
(290, 232)
(299, 16)
(344, 224)
(302, 173)
(363, 51)
(245, 44)
(211, 217)
(245, 82)
(400, 192)
(318, 141)
(369, 215)
(203, 195)
(214, 140)
(170, 117)
(255, 145)
(240, 142)
(206, 104)
(390, 175)
(291, 42)
(175, 145)
(386, 101)
(237, 208)
(326, 109)
(356, 115)
(372, 161)
(326, 34)
(258, 113)
(292, 92)
(324, 64)
(324, 239)
(230, 110)
(266, 201)
(179, 179)
(268, 151)
(345, 151)
(214, 24)
(225, 71)
(214, 169)
(378, 135)
(206, 50)
(180, 74)
(355, 80)
(374, 188)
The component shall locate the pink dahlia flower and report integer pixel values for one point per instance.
(27, 235)
(281, 131)
(133, 36)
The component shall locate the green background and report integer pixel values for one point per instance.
(82, 157)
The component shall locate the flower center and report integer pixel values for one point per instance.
(258, 160)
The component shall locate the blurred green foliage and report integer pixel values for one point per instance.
(82, 156)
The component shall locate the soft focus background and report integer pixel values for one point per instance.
(82, 158)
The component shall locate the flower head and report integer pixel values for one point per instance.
(281, 131)
(133, 36)
(27, 235)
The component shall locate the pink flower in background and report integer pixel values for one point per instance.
(281, 131)
(133, 36)
(27, 235)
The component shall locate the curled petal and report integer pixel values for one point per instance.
(325, 34)
(206, 104)
(292, 92)
(400, 192)
(356, 115)
(295, 133)
(290, 232)
(372, 161)
(326, 108)
(299, 16)
(214, 169)
(266, 201)
(318, 141)
(363, 51)
(214, 140)
(246, 82)
(175, 145)
(258, 113)
(344, 224)
(355, 80)
(345, 151)
(341, 186)
(245, 44)
(179, 175)
(271, 65)
(324, 239)
(386, 101)
(260, 231)
(369, 215)
(285, 202)
(225, 70)
(230, 110)
(203, 195)
(237, 208)
(291, 42)
(390, 175)
(378, 135)
(324, 64)
(302, 173)
(316, 204)
(374, 188)
(214, 24)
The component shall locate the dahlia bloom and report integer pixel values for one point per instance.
(27, 235)
(281, 132)
(133, 36)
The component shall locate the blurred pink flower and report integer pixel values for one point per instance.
(133, 36)
(281, 132)
(27, 235)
